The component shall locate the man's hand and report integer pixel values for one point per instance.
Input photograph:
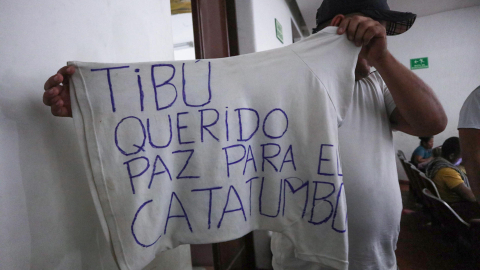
(57, 92)
(366, 32)
(418, 111)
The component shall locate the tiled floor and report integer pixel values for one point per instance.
(421, 246)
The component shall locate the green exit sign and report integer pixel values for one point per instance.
(419, 63)
(278, 30)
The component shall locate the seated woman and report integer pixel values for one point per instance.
(451, 182)
(436, 152)
(423, 153)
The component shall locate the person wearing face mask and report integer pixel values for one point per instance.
(451, 182)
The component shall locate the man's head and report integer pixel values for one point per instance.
(395, 22)
(332, 12)
(451, 149)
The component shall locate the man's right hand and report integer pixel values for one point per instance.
(57, 92)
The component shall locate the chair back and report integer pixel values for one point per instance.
(415, 181)
(416, 173)
(430, 185)
(406, 168)
(445, 214)
(401, 155)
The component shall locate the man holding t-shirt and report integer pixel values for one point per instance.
(400, 101)
(390, 98)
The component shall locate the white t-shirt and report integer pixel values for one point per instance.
(470, 112)
(371, 184)
(208, 150)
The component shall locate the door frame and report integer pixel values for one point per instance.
(215, 36)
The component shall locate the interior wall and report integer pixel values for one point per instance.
(451, 41)
(256, 24)
(183, 41)
(47, 219)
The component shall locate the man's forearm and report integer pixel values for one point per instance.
(470, 145)
(415, 100)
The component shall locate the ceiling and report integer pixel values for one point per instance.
(309, 8)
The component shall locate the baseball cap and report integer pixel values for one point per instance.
(397, 22)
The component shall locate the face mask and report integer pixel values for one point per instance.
(458, 162)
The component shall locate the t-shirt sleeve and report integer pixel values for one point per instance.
(470, 112)
(450, 177)
(332, 59)
(419, 151)
(387, 96)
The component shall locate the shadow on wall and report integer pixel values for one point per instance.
(59, 224)
(58, 198)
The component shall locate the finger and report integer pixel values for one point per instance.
(352, 29)
(343, 26)
(368, 37)
(59, 77)
(375, 32)
(47, 99)
(51, 93)
(51, 101)
(53, 81)
(59, 111)
(56, 111)
(54, 91)
(362, 29)
(58, 102)
(66, 70)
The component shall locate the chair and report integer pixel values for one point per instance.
(466, 234)
(426, 183)
(451, 222)
(416, 173)
(401, 155)
(415, 181)
(408, 171)
(430, 185)
(404, 163)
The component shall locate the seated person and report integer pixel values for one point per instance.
(451, 182)
(436, 152)
(423, 153)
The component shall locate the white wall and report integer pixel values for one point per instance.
(47, 218)
(256, 24)
(183, 40)
(451, 41)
